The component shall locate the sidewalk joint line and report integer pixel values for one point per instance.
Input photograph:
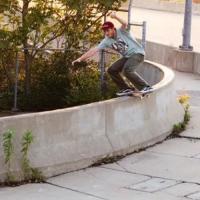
(74, 190)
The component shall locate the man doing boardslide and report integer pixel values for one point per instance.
(132, 53)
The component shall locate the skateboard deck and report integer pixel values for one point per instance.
(140, 94)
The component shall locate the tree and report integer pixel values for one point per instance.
(36, 23)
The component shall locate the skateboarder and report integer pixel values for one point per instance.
(132, 57)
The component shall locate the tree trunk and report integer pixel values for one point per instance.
(27, 60)
(27, 56)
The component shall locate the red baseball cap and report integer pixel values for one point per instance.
(107, 25)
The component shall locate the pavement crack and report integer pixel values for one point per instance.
(127, 171)
(123, 167)
(74, 190)
(188, 137)
(151, 176)
(175, 155)
(109, 141)
(106, 133)
(158, 190)
(187, 195)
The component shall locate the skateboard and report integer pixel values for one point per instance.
(140, 94)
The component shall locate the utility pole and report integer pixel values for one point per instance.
(187, 27)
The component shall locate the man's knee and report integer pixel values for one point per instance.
(128, 70)
(111, 70)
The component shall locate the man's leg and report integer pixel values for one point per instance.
(114, 72)
(129, 71)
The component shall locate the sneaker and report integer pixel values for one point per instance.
(147, 89)
(125, 92)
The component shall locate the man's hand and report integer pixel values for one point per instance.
(86, 55)
(113, 15)
(76, 61)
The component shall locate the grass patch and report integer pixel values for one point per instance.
(30, 174)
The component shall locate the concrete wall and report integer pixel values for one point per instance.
(196, 66)
(172, 57)
(163, 6)
(74, 138)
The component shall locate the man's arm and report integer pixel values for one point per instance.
(124, 24)
(86, 55)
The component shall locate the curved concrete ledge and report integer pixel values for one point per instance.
(74, 138)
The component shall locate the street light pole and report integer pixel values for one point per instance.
(187, 27)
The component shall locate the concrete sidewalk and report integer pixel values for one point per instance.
(164, 27)
(167, 171)
(175, 6)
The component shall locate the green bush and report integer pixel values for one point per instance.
(86, 86)
(55, 83)
(7, 78)
(49, 84)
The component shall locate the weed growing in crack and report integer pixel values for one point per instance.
(181, 126)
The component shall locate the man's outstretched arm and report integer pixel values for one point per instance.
(124, 24)
(86, 55)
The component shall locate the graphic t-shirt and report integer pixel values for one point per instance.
(124, 43)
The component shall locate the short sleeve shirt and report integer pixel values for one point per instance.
(124, 43)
